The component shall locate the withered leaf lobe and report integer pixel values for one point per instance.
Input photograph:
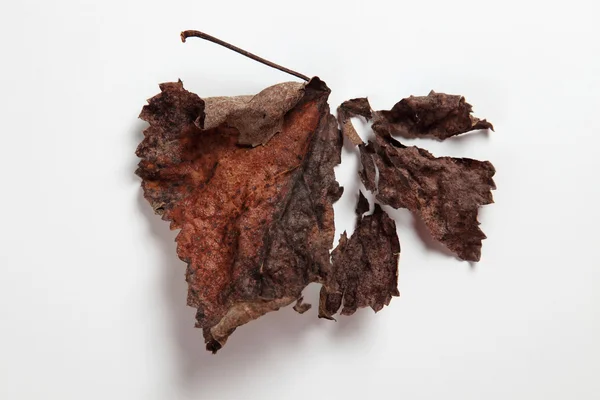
(172, 114)
(445, 192)
(365, 266)
(436, 115)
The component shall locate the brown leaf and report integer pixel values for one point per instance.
(256, 223)
(250, 183)
(352, 108)
(436, 115)
(445, 192)
(365, 267)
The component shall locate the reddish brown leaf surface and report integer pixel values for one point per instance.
(436, 115)
(256, 223)
(445, 192)
(365, 266)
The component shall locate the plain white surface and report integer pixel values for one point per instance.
(92, 295)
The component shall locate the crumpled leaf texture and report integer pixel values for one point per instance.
(365, 266)
(445, 192)
(258, 117)
(250, 183)
(436, 115)
(256, 223)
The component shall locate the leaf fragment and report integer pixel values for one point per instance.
(353, 108)
(365, 266)
(437, 115)
(445, 192)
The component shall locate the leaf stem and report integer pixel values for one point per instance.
(202, 35)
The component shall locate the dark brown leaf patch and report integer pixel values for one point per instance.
(445, 192)
(365, 266)
(436, 115)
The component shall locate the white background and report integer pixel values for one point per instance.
(92, 295)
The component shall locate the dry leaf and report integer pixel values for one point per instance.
(436, 115)
(249, 182)
(365, 266)
(256, 223)
(445, 192)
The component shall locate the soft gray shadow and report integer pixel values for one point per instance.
(453, 144)
(480, 134)
(355, 327)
